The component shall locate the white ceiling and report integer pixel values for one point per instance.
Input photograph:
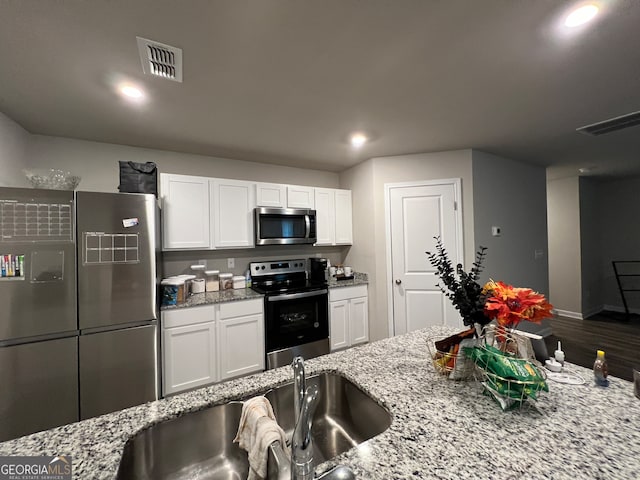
(286, 81)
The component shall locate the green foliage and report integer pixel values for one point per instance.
(460, 287)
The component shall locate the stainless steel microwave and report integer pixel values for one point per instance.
(285, 226)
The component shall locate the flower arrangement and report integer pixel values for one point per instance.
(498, 301)
(510, 305)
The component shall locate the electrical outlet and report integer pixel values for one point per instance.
(538, 254)
(231, 263)
(496, 231)
(202, 262)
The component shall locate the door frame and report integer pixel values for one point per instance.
(457, 193)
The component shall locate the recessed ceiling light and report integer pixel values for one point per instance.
(581, 15)
(131, 92)
(358, 140)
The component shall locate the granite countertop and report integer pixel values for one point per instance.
(358, 279)
(441, 429)
(221, 296)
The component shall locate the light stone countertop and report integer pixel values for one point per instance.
(441, 429)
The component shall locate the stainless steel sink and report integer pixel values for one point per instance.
(199, 445)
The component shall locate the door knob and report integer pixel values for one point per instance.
(398, 282)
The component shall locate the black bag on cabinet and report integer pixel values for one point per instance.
(138, 177)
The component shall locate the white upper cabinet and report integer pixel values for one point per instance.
(333, 217)
(325, 216)
(300, 197)
(271, 195)
(232, 204)
(185, 212)
(344, 220)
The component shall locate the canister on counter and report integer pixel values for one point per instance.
(239, 282)
(187, 284)
(172, 291)
(213, 280)
(197, 285)
(226, 281)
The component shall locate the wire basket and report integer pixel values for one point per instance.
(508, 392)
(455, 366)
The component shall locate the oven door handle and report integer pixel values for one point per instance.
(293, 296)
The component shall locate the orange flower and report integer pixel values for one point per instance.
(510, 305)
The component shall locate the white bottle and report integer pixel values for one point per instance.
(559, 354)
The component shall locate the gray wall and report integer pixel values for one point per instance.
(511, 195)
(620, 229)
(367, 182)
(592, 267)
(13, 147)
(563, 216)
(97, 164)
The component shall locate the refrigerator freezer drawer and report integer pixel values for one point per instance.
(39, 386)
(118, 369)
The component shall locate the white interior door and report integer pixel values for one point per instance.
(417, 214)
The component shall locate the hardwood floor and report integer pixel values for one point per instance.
(605, 331)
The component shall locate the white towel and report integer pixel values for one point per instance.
(257, 430)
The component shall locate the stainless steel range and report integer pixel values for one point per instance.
(296, 311)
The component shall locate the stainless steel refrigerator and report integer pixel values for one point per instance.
(78, 306)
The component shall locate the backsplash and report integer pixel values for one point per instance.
(177, 263)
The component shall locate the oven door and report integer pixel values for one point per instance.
(295, 319)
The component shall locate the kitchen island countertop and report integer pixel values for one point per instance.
(440, 429)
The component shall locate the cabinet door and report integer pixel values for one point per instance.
(185, 212)
(325, 216)
(344, 221)
(300, 197)
(271, 195)
(339, 324)
(232, 204)
(358, 320)
(189, 357)
(241, 345)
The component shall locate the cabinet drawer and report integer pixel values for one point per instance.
(188, 316)
(345, 293)
(241, 308)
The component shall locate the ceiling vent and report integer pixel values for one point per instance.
(160, 60)
(611, 125)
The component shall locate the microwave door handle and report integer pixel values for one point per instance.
(307, 223)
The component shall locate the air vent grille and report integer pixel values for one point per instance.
(160, 60)
(611, 125)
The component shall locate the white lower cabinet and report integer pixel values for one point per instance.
(189, 343)
(211, 343)
(241, 338)
(348, 316)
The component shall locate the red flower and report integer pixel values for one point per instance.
(510, 305)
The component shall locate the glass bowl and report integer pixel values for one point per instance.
(52, 179)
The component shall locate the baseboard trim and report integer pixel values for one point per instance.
(568, 313)
(618, 309)
(593, 311)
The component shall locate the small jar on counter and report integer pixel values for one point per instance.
(226, 281)
(187, 284)
(172, 291)
(213, 280)
(239, 282)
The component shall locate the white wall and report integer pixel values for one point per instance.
(511, 195)
(563, 216)
(367, 182)
(13, 147)
(97, 164)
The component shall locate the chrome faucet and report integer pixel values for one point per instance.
(305, 401)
